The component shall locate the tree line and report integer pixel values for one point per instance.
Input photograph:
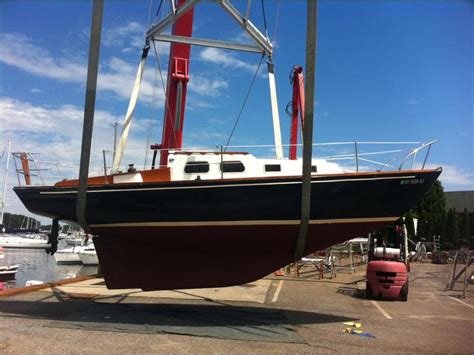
(17, 221)
(454, 227)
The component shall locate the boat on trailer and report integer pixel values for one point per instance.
(218, 218)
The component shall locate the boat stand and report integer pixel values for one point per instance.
(463, 257)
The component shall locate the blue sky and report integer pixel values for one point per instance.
(386, 71)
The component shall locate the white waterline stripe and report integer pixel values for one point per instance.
(244, 223)
(225, 186)
(381, 310)
(277, 292)
(462, 302)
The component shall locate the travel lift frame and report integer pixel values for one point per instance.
(262, 45)
(181, 18)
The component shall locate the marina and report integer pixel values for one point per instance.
(35, 264)
(209, 207)
(208, 222)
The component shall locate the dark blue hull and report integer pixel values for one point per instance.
(145, 231)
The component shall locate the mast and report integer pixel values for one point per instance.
(178, 77)
(5, 181)
(297, 109)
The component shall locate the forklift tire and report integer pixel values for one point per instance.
(404, 292)
(368, 291)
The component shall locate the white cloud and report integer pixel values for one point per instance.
(129, 35)
(56, 132)
(18, 50)
(454, 177)
(225, 59)
(115, 75)
(20, 116)
(205, 86)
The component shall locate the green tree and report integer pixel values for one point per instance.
(410, 225)
(464, 225)
(19, 221)
(431, 213)
(452, 228)
(422, 228)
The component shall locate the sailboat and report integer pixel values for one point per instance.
(218, 218)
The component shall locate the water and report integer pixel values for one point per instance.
(35, 264)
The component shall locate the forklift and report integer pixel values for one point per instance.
(387, 267)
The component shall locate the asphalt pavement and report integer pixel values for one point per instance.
(277, 314)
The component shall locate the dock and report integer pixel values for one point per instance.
(275, 314)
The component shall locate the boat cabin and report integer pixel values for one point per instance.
(206, 165)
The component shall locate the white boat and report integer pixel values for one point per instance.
(74, 241)
(68, 255)
(88, 256)
(36, 242)
(8, 272)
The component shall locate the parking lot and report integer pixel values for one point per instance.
(277, 314)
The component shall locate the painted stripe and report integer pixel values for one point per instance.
(140, 189)
(386, 315)
(277, 291)
(462, 302)
(245, 223)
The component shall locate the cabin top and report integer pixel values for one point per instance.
(214, 165)
(209, 165)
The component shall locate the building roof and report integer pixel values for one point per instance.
(460, 200)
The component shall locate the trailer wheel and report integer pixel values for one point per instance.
(368, 291)
(404, 292)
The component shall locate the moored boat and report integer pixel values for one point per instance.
(88, 256)
(8, 273)
(68, 256)
(24, 242)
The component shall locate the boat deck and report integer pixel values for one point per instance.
(275, 314)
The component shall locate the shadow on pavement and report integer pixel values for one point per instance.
(206, 320)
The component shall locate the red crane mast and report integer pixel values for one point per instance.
(178, 77)
(297, 105)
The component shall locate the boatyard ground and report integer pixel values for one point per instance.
(275, 314)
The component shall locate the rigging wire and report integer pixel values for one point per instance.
(149, 11)
(159, 8)
(277, 19)
(151, 122)
(264, 18)
(245, 101)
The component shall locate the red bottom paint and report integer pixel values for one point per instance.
(163, 258)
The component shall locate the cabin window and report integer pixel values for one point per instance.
(272, 167)
(232, 167)
(194, 167)
(314, 169)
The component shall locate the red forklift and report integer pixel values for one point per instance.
(387, 268)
